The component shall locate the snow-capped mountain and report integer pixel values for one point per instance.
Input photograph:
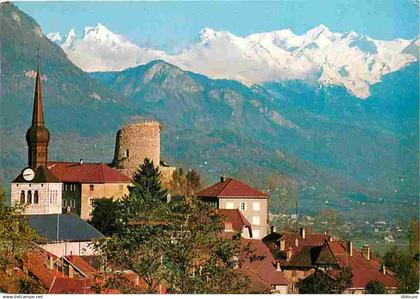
(102, 50)
(349, 59)
(54, 37)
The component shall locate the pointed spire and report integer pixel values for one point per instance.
(38, 112)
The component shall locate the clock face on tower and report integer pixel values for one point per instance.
(28, 174)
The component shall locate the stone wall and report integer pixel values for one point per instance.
(134, 143)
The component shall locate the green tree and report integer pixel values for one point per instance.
(105, 215)
(193, 180)
(345, 280)
(375, 287)
(322, 283)
(147, 185)
(15, 239)
(176, 242)
(178, 184)
(406, 268)
(317, 283)
(185, 183)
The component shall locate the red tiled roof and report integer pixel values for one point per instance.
(231, 188)
(66, 285)
(237, 219)
(36, 262)
(363, 270)
(310, 239)
(82, 265)
(86, 172)
(261, 271)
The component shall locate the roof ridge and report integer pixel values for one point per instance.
(228, 182)
(246, 222)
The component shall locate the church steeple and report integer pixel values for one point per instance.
(38, 113)
(37, 135)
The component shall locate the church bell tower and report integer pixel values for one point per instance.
(37, 135)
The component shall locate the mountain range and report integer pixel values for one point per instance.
(328, 58)
(320, 143)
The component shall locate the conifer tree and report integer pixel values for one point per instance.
(146, 183)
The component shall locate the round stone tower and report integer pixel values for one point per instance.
(134, 143)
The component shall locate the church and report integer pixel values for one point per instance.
(50, 187)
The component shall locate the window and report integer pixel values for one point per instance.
(91, 187)
(22, 197)
(282, 245)
(242, 206)
(36, 197)
(29, 199)
(121, 188)
(256, 206)
(127, 153)
(229, 205)
(256, 220)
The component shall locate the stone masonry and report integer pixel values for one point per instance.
(134, 143)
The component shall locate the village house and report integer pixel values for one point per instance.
(84, 182)
(65, 234)
(232, 194)
(257, 262)
(302, 254)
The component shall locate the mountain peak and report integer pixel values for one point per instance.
(54, 37)
(318, 31)
(206, 34)
(99, 31)
(70, 38)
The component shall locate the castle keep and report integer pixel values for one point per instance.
(134, 143)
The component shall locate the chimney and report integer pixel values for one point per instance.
(383, 269)
(366, 252)
(349, 248)
(273, 229)
(81, 162)
(278, 268)
(302, 232)
(228, 226)
(222, 178)
(289, 254)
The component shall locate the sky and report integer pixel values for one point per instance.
(170, 25)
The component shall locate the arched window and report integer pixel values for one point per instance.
(36, 197)
(22, 197)
(29, 199)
